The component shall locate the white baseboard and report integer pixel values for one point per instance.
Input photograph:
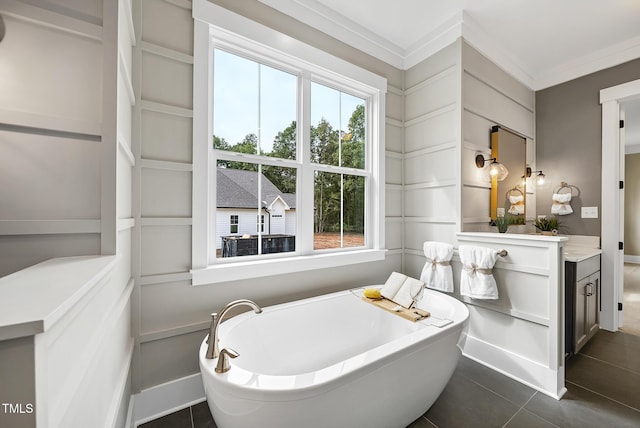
(632, 259)
(517, 367)
(161, 400)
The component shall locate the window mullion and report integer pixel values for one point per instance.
(305, 224)
(259, 232)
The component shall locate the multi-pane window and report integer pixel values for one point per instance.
(338, 140)
(255, 128)
(233, 224)
(294, 143)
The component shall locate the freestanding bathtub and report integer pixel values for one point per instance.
(333, 361)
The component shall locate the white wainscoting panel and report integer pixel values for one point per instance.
(431, 130)
(435, 202)
(166, 136)
(166, 80)
(522, 333)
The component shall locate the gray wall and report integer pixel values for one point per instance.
(632, 205)
(569, 146)
(452, 99)
(431, 202)
(173, 315)
(491, 97)
(50, 155)
(65, 162)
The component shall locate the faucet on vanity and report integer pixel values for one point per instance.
(212, 350)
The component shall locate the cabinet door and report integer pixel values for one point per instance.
(581, 331)
(593, 297)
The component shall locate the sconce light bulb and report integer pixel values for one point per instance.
(540, 178)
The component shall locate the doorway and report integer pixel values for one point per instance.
(614, 100)
(631, 275)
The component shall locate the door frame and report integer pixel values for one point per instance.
(612, 228)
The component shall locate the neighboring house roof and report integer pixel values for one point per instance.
(239, 189)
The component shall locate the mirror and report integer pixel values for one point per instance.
(509, 195)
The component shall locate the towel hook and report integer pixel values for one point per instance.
(565, 185)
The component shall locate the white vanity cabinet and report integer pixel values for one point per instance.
(582, 281)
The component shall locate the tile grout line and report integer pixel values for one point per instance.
(191, 415)
(609, 364)
(603, 396)
(529, 411)
(429, 420)
(494, 392)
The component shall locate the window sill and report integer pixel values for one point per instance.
(260, 268)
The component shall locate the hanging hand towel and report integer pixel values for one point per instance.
(561, 204)
(517, 205)
(476, 278)
(437, 273)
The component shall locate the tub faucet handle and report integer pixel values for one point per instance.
(223, 365)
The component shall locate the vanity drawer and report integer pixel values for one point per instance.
(588, 266)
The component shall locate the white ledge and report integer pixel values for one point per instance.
(511, 236)
(34, 299)
(259, 268)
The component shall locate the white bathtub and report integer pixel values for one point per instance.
(333, 361)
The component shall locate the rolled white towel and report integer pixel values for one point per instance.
(476, 278)
(437, 273)
(561, 204)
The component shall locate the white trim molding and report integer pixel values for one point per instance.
(220, 28)
(460, 25)
(160, 400)
(612, 228)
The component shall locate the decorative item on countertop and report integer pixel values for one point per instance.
(547, 226)
(476, 277)
(562, 201)
(437, 273)
(502, 223)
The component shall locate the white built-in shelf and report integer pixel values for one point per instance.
(34, 299)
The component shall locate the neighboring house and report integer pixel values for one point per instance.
(237, 206)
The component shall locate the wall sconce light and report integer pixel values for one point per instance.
(539, 176)
(496, 169)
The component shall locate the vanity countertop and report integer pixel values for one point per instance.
(578, 253)
(581, 247)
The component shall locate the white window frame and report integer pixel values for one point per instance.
(216, 26)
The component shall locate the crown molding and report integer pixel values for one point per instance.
(599, 60)
(442, 36)
(461, 24)
(322, 18)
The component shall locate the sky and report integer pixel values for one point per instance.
(253, 98)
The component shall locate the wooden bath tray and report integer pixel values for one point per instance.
(413, 314)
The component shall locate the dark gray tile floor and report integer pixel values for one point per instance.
(603, 383)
